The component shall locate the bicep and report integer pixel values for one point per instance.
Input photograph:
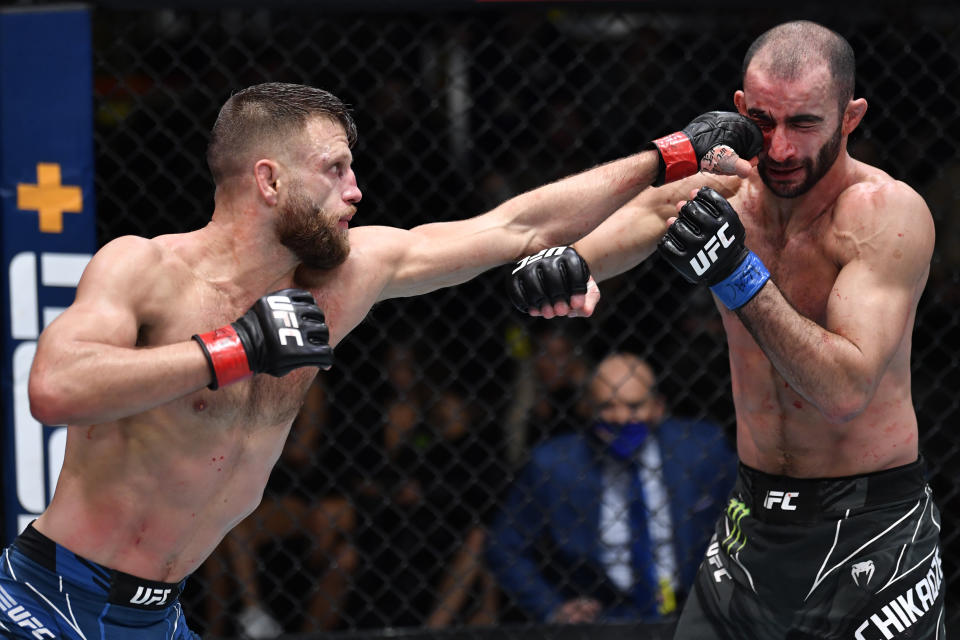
(874, 299)
(85, 325)
(869, 311)
(443, 254)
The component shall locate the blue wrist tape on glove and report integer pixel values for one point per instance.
(739, 287)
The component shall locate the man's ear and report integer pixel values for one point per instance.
(267, 174)
(853, 114)
(740, 101)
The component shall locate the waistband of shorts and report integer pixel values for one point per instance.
(784, 499)
(117, 587)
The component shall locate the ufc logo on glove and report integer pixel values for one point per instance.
(257, 342)
(708, 255)
(283, 311)
(540, 255)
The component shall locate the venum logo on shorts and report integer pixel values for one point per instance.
(861, 569)
(906, 609)
(148, 596)
(22, 617)
(781, 498)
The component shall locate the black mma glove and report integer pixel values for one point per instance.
(281, 332)
(706, 244)
(552, 274)
(682, 152)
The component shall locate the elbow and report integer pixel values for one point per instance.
(49, 404)
(846, 406)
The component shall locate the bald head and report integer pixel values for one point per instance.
(623, 389)
(619, 368)
(788, 50)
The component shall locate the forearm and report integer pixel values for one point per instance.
(564, 211)
(95, 383)
(444, 254)
(621, 243)
(825, 368)
(630, 235)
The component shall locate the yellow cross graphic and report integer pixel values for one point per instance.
(49, 198)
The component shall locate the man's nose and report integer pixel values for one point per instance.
(352, 193)
(779, 146)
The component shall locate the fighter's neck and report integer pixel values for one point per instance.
(242, 260)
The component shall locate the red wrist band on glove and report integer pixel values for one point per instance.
(679, 158)
(226, 355)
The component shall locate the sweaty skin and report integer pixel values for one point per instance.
(820, 358)
(157, 467)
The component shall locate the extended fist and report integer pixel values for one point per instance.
(706, 244)
(714, 141)
(281, 332)
(549, 282)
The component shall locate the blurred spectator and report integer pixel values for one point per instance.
(547, 390)
(295, 507)
(435, 486)
(610, 523)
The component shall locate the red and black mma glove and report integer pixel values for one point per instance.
(681, 152)
(552, 275)
(282, 331)
(706, 245)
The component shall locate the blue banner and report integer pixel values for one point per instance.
(48, 231)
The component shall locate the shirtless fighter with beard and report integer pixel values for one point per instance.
(158, 365)
(817, 263)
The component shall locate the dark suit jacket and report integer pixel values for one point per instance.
(545, 548)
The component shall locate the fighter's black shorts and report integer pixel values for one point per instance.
(855, 558)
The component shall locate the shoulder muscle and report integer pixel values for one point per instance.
(884, 221)
(111, 291)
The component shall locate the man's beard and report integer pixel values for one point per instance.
(813, 169)
(305, 228)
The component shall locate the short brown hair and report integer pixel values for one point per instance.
(264, 112)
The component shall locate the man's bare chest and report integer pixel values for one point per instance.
(800, 263)
(257, 402)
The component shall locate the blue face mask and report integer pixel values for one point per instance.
(622, 440)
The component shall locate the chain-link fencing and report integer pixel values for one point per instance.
(381, 508)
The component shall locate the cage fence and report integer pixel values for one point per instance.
(379, 512)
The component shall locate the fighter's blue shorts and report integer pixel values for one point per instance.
(47, 591)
